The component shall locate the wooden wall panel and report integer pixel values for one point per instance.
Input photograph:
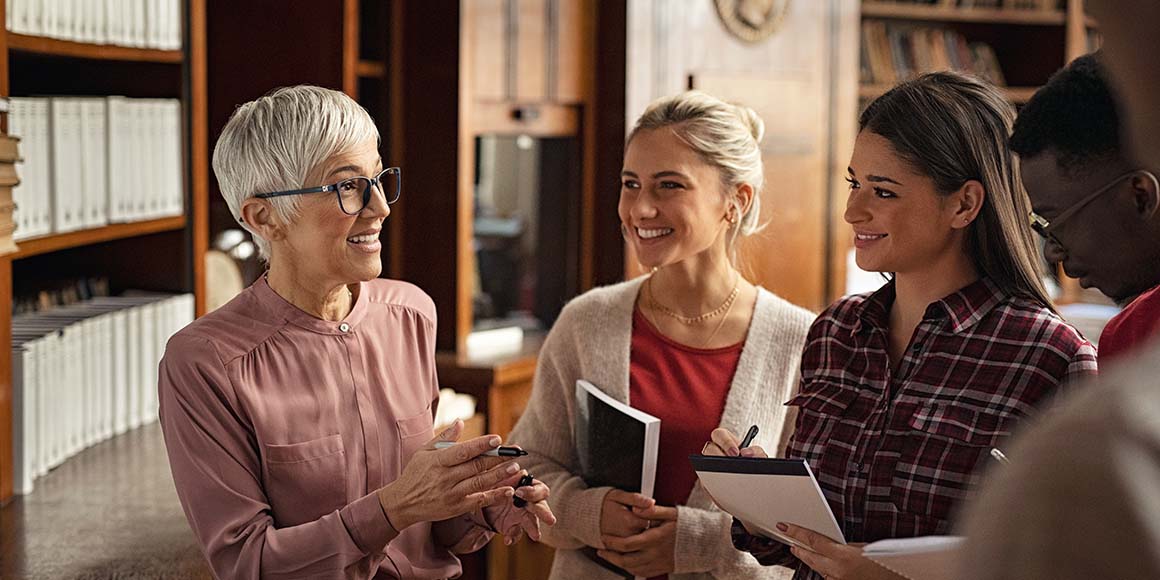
(487, 26)
(531, 50)
(573, 56)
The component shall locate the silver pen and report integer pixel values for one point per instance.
(998, 455)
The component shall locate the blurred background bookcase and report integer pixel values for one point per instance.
(158, 254)
(1028, 40)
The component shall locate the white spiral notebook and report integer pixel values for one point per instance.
(764, 492)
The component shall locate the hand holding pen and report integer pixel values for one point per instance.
(500, 451)
(725, 442)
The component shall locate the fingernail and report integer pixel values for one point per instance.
(513, 469)
(494, 441)
(782, 527)
(734, 451)
(747, 452)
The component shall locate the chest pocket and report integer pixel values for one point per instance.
(827, 411)
(306, 480)
(414, 432)
(942, 458)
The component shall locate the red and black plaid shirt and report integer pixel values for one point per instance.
(896, 452)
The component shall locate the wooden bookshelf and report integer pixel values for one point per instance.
(163, 254)
(1029, 44)
(53, 47)
(927, 13)
(1017, 95)
(54, 243)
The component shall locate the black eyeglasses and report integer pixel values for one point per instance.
(1045, 227)
(355, 193)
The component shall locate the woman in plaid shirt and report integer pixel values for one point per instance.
(906, 390)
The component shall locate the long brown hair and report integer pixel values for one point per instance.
(955, 128)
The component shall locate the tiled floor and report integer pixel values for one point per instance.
(109, 513)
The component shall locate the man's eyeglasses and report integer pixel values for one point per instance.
(1045, 227)
(355, 193)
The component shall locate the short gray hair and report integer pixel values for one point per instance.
(273, 143)
(725, 136)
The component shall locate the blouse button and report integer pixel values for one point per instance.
(344, 327)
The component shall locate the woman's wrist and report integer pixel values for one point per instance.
(394, 510)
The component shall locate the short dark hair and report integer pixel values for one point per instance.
(1074, 115)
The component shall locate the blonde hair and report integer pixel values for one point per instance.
(725, 136)
(275, 142)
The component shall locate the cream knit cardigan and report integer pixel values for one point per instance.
(591, 340)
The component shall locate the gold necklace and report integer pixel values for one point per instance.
(719, 325)
(691, 320)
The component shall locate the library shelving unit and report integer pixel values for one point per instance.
(1029, 43)
(160, 254)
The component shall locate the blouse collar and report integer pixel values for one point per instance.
(282, 308)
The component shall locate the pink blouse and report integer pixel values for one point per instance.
(280, 428)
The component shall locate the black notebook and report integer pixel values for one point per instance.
(617, 447)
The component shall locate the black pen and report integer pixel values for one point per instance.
(749, 436)
(525, 481)
(497, 452)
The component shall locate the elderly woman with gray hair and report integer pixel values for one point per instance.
(298, 417)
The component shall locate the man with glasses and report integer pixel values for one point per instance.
(1081, 496)
(1095, 209)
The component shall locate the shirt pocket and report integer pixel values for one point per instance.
(305, 480)
(414, 432)
(827, 411)
(942, 458)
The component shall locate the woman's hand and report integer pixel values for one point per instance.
(724, 443)
(649, 553)
(439, 484)
(513, 522)
(618, 517)
(832, 560)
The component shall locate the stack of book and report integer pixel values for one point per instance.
(85, 373)
(91, 161)
(135, 23)
(893, 53)
(9, 155)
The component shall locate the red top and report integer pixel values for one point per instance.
(685, 388)
(1132, 327)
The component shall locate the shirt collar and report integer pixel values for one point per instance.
(283, 309)
(969, 304)
(963, 307)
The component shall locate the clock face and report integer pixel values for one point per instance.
(752, 20)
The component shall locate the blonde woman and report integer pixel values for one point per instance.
(693, 335)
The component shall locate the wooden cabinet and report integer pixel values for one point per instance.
(529, 51)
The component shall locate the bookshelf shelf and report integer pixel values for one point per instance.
(371, 69)
(920, 12)
(1017, 95)
(23, 43)
(57, 242)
